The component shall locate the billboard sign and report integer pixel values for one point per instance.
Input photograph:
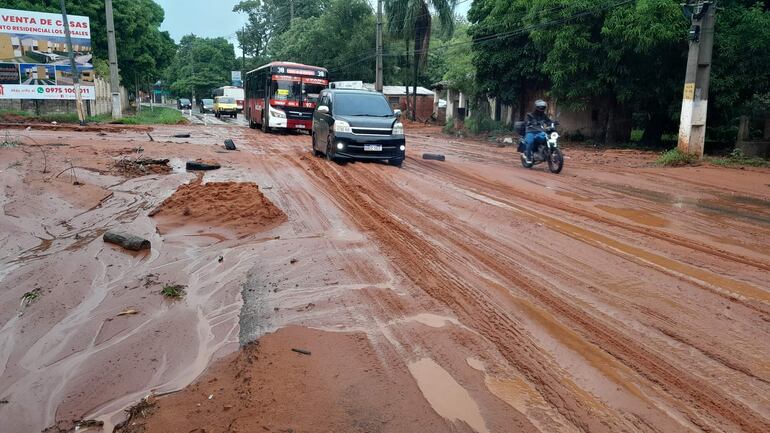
(34, 58)
(236, 79)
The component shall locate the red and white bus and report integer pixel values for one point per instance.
(283, 95)
(234, 92)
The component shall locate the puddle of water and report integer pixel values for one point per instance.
(433, 320)
(447, 397)
(521, 396)
(636, 215)
(476, 364)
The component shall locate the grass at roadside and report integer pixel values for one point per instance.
(738, 159)
(156, 116)
(676, 158)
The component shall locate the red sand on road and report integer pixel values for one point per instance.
(468, 295)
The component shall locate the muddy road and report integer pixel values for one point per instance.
(466, 295)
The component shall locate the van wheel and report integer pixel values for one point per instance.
(329, 156)
(316, 152)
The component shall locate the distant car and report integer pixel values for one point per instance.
(184, 104)
(357, 125)
(207, 105)
(224, 105)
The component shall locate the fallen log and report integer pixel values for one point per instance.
(433, 156)
(195, 165)
(127, 241)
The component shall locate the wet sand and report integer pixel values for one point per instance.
(468, 295)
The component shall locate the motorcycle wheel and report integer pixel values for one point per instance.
(555, 161)
(525, 163)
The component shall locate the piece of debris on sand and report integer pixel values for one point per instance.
(137, 414)
(231, 205)
(202, 165)
(127, 240)
(140, 167)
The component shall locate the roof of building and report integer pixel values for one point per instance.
(401, 91)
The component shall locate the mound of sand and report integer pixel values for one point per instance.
(240, 207)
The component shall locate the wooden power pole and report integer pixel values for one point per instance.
(378, 78)
(73, 66)
(117, 110)
(692, 125)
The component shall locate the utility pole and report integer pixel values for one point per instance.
(291, 11)
(692, 124)
(73, 66)
(378, 77)
(192, 77)
(117, 111)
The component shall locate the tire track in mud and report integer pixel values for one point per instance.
(420, 260)
(734, 290)
(477, 181)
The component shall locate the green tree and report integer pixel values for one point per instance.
(268, 19)
(740, 78)
(411, 20)
(338, 39)
(623, 58)
(143, 50)
(201, 64)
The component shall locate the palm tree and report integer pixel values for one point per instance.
(412, 20)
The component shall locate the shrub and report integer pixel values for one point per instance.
(677, 158)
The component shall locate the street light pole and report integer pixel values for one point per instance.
(117, 111)
(73, 65)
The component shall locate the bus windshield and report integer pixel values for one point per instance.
(286, 89)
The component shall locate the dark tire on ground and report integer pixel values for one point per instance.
(316, 152)
(329, 155)
(195, 165)
(433, 157)
(525, 163)
(555, 161)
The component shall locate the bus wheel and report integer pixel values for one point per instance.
(265, 124)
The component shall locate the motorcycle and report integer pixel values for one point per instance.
(545, 150)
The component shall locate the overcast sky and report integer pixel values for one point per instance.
(216, 18)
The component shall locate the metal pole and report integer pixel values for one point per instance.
(73, 65)
(117, 111)
(692, 125)
(378, 80)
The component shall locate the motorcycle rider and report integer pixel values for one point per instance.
(536, 122)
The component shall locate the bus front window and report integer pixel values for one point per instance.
(286, 90)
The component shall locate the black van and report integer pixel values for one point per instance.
(357, 125)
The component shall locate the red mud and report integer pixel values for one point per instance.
(266, 387)
(467, 295)
(239, 206)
